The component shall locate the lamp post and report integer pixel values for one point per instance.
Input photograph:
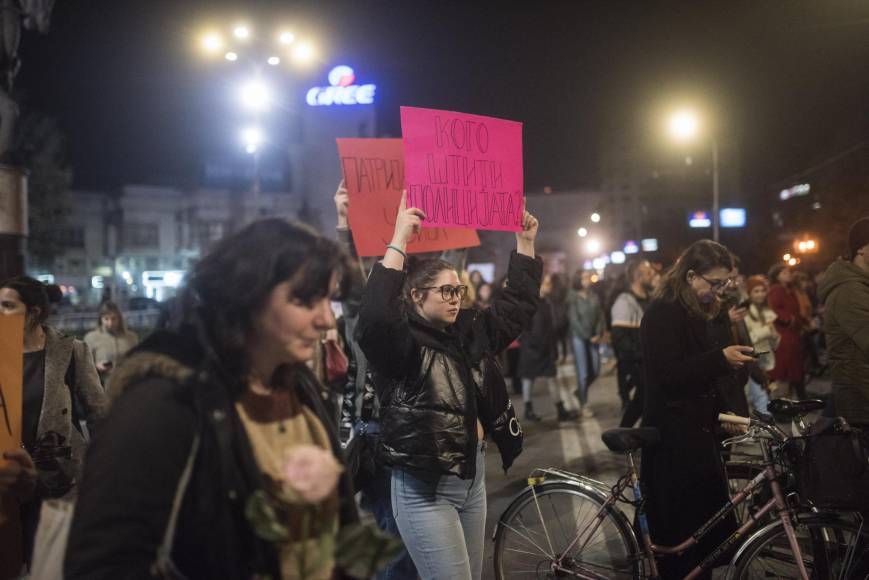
(684, 125)
(245, 45)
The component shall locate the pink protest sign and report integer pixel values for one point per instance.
(463, 170)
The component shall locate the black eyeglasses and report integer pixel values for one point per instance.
(717, 285)
(448, 292)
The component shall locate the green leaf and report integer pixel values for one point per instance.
(263, 518)
(362, 550)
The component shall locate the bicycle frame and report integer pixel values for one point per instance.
(650, 549)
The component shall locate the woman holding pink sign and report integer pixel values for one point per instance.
(442, 393)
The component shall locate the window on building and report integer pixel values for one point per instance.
(70, 237)
(210, 232)
(141, 235)
(75, 266)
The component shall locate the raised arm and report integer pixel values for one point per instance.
(383, 331)
(515, 305)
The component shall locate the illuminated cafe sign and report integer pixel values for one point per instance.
(796, 191)
(342, 90)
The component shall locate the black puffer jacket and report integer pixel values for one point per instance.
(426, 378)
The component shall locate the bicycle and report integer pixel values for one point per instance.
(564, 525)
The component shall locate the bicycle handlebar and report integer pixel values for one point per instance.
(772, 430)
(725, 418)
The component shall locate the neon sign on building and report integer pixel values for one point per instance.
(342, 90)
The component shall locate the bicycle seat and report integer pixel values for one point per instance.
(627, 440)
(789, 408)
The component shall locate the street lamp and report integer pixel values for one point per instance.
(684, 125)
(252, 137)
(255, 96)
(303, 52)
(592, 246)
(582, 232)
(595, 217)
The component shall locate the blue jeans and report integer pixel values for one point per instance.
(377, 499)
(442, 522)
(583, 353)
(758, 397)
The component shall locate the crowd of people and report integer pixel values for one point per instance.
(296, 382)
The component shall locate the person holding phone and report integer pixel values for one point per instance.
(686, 353)
(110, 340)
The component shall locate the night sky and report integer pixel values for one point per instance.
(788, 80)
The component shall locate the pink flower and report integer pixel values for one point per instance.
(311, 472)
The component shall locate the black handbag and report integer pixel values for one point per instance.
(497, 411)
(55, 470)
(360, 455)
(833, 466)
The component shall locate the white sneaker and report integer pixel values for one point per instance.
(586, 413)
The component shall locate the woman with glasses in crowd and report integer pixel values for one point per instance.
(686, 357)
(441, 393)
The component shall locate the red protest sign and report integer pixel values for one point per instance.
(374, 176)
(463, 170)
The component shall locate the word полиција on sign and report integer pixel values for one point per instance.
(373, 172)
(463, 170)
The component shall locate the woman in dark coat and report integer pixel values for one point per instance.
(210, 420)
(789, 323)
(686, 355)
(538, 356)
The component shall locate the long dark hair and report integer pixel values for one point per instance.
(112, 308)
(701, 257)
(35, 295)
(234, 281)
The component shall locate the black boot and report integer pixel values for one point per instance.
(530, 415)
(564, 414)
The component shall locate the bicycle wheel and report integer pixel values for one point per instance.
(540, 525)
(832, 548)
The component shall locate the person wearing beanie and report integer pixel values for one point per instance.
(760, 322)
(788, 371)
(845, 292)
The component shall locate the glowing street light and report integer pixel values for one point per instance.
(786, 257)
(684, 125)
(793, 262)
(241, 32)
(286, 38)
(592, 246)
(595, 217)
(252, 137)
(274, 60)
(231, 56)
(582, 232)
(212, 42)
(255, 96)
(303, 52)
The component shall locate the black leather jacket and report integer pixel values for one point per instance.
(425, 377)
